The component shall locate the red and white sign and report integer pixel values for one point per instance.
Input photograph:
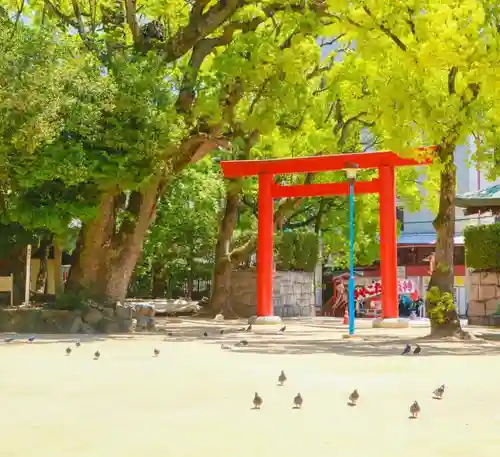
(405, 286)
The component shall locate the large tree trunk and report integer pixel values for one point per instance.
(17, 261)
(443, 273)
(58, 279)
(105, 256)
(221, 279)
(41, 279)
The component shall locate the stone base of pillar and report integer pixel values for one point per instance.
(391, 323)
(354, 337)
(265, 320)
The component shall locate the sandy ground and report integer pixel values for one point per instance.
(195, 399)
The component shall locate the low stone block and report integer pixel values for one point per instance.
(475, 279)
(76, 326)
(489, 278)
(474, 292)
(124, 311)
(476, 308)
(486, 292)
(491, 306)
(93, 316)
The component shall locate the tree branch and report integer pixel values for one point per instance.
(201, 50)
(199, 26)
(131, 11)
(452, 76)
(386, 30)
(18, 16)
(332, 41)
(68, 20)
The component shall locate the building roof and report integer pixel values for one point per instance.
(423, 239)
(484, 200)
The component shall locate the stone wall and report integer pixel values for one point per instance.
(484, 297)
(293, 293)
(95, 319)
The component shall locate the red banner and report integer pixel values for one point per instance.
(405, 286)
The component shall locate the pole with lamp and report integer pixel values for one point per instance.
(351, 171)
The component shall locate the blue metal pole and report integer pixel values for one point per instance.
(351, 257)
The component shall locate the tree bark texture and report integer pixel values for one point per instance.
(42, 276)
(443, 274)
(221, 278)
(58, 279)
(105, 256)
(17, 261)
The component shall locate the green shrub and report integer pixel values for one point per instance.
(441, 305)
(482, 247)
(285, 250)
(296, 251)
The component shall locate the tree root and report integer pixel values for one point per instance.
(450, 334)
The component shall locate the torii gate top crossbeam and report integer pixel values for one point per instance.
(317, 164)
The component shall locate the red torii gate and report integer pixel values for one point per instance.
(385, 185)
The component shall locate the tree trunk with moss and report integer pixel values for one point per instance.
(445, 322)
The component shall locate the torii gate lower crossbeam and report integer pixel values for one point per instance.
(385, 186)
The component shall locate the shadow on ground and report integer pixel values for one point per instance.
(375, 347)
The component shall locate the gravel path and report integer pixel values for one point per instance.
(195, 399)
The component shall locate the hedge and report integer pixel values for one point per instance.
(296, 250)
(482, 247)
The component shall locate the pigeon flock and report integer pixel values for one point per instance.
(353, 398)
(282, 378)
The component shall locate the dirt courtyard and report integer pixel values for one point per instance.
(195, 399)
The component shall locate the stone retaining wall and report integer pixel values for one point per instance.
(484, 297)
(293, 293)
(95, 319)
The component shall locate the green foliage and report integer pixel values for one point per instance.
(297, 250)
(181, 241)
(441, 305)
(285, 246)
(482, 247)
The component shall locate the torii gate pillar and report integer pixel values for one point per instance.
(388, 242)
(265, 251)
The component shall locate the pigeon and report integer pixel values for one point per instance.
(31, 339)
(257, 401)
(156, 352)
(68, 350)
(282, 329)
(225, 346)
(297, 401)
(249, 328)
(354, 397)
(417, 350)
(170, 334)
(414, 409)
(205, 334)
(222, 332)
(407, 350)
(438, 393)
(242, 343)
(281, 378)
(9, 339)
(77, 344)
(97, 354)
